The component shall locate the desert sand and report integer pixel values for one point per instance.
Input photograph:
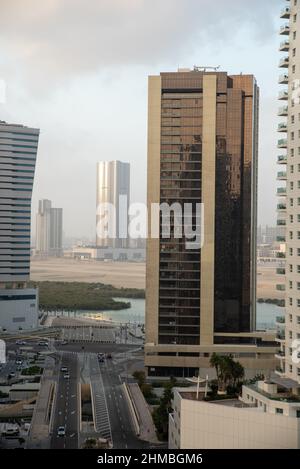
(127, 274)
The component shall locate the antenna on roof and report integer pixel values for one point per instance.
(198, 68)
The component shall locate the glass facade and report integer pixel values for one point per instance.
(235, 204)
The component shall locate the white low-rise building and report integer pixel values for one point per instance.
(267, 416)
(18, 309)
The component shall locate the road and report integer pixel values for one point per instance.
(123, 434)
(66, 405)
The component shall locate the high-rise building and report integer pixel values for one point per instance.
(49, 229)
(202, 148)
(289, 193)
(18, 151)
(113, 187)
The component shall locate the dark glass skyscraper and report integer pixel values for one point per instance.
(202, 148)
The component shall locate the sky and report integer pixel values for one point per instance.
(78, 71)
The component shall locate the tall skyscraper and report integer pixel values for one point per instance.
(18, 151)
(49, 229)
(202, 148)
(113, 181)
(288, 207)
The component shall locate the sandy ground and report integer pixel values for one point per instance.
(267, 279)
(127, 274)
(119, 274)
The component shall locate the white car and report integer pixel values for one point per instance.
(61, 431)
(67, 376)
(64, 369)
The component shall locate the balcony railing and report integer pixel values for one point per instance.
(285, 13)
(284, 46)
(280, 239)
(285, 30)
(283, 79)
(283, 111)
(280, 271)
(281, 207)
(280, 255)
(284, 62)
(281, 176)
(280, 319)
(281, 222)
(282, 127)
(282, 159)
(282, 143)
(283, 95)
(281, 191)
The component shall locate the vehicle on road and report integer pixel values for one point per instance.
(43, 343)
(64, 369)
(20, 342)
(67, 376)
(109, 356)
(64, 342)
(19, 362)
(61, 431)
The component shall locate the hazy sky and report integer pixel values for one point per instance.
(78, 70)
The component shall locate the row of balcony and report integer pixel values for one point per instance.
(285, 30)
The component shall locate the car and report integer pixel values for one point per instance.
(66, 376)
(43, 343)
(61, 431)
(64, 369)
(19, 362)
(20, 342)
(64, 342)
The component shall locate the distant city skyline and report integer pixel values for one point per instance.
(89, 96)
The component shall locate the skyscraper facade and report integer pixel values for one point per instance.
(288, 207)
(18, 151)
(49, 229)
(113, 187)
(202, 148)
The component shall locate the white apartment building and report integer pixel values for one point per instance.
(265, 417)
(18, 151)
(113, 182)
(289, 203)
(49, 229)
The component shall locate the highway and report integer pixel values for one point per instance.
(66, 405)
(122, 431)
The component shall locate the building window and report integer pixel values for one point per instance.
(298, 319)
(293, 119)
(292, 168)
(298, 287)
(295, 18)
(291, 251)
(291, 301)
(298, 251)
(292, 135)
(290, 334)
(291, 368)
(291, 235)
(298, 414)
(293, 71)
(294, 52)
(279, 411)
(291, 285)
(291, 316)
(291, 202)
(292, 185)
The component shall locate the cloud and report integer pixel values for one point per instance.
(55, 39)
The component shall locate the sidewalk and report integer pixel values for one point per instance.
(147, 428)
(39, 432)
